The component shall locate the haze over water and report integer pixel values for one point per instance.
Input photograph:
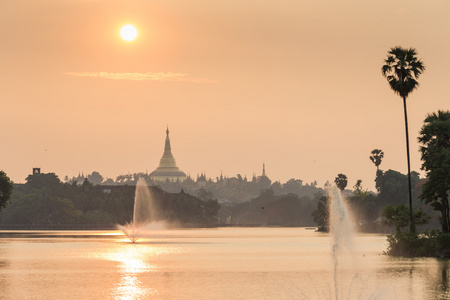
(232, 263)
(294, 84)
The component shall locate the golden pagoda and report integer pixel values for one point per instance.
(168, 170)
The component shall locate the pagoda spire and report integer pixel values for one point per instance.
(167, 148)
(168, 169)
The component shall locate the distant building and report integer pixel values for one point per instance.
(36, 170)
(263, 176)
(263, 180)
(201, 181)
(168, 170)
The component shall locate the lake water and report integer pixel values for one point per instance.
(224, 263)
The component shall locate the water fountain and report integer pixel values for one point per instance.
(143, 213)
(342, 245)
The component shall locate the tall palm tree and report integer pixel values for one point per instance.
(402, 69)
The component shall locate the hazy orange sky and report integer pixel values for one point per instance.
(294, 84)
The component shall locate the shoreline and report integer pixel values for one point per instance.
(114, 226)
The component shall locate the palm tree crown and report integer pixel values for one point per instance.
(402, 69)
(376, 157)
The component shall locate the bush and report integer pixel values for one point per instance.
(430, 244)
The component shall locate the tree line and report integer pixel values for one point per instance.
(426, 197)
(233, 189)
(45, 200)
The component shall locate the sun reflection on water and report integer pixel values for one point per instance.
(130, 288)
(132, 264)
(135, 262)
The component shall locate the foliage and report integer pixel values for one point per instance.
(95, 178)
(39, 208)
(183, 208)
(431, 244)
(293, 186)
(358, 186)
(376, 157)
(205, 195)
(95, 217)
(235, 189)
(6, 188)
(271, 209)
(435, 149)
(277, 188)
(43, 180)
(341, 181)
(46, 200)
(286, 211)
(435, 138)
(210, 208)
(362, 204)
(398, 217)
(321, 215)
(394, 187)
(402, 69)
(119, 204)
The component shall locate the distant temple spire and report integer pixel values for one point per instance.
(167, 148)
(264, 170)
(168, 169)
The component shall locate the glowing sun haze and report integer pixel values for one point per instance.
(128, 32)
(294, 84)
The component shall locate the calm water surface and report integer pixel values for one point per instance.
(229, 263)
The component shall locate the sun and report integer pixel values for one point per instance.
(128, 33)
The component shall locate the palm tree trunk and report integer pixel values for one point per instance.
(445, 213)
(412, 227)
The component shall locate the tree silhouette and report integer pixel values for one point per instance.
(435, 149)
(402, 69)
(358, 186)
(376, 157)
(95, 178)
(341, 181)
(321, 215)
(6, 189)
